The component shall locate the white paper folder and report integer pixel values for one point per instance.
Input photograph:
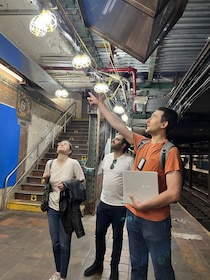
(143, 185)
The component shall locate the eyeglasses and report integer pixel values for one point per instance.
(113, 163)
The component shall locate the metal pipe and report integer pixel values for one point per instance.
(129, 70)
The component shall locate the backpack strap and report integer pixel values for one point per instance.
(164, 152)
(142, 142)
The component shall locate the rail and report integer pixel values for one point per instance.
(49, 137)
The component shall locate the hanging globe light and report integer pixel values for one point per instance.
(124, 117)
(81, 61)
(37, 27)
(43, 23)
(50, 20)
(61, 93)
(101, 87)
(118, 109)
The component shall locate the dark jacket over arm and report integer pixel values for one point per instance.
(69, 204)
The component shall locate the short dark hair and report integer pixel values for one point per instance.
(170, 116)
(127, 145)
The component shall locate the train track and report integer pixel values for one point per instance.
(197, 205)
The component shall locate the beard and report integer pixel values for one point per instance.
(115, 147)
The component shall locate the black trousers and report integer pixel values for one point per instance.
(107, 215)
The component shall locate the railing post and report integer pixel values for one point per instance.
(92, 162)
(65, 124)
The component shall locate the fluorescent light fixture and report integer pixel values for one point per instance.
(81, 60)
(11, 73)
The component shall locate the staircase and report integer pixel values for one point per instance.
(28, 197)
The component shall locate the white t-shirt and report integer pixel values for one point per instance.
(112, 190)
(70, 170)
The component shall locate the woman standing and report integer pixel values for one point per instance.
(58, 171)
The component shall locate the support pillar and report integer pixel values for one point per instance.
(92, 161)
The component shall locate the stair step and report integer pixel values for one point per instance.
(79, 155)
(33, 179)
(28, 195)
(31, 206)
(36, 172)
(41, 167)
(32, 187)
(24, 205)
(74, 137)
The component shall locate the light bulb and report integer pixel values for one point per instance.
(81, 61)
(101, 87)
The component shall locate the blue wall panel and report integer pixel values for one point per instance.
(9, 143)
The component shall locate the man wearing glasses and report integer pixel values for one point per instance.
(111, 209)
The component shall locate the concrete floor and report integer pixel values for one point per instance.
(25, 248)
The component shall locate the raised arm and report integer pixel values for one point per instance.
(112, 119)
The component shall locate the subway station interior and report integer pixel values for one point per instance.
(137, 56)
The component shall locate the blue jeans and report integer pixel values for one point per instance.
(61, 242)
(106, 215)
(149, 237)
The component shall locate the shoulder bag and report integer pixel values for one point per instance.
(45, 196)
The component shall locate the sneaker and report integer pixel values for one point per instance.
(55, 276)
(94, 268)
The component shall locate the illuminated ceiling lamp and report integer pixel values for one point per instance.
(43, 23)
(118, 109)
(124, 117)
(101, 87)
(81, 60)
(61, 93)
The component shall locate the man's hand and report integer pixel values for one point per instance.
(93, 101)
(136, 204)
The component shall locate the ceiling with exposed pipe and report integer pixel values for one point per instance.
(150, 54)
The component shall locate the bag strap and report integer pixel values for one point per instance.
(142, 143)
(163, 153)
(51, 162)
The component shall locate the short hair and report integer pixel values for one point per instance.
(170, 116)
(127, 145)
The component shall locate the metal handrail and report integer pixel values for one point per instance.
(55, 130)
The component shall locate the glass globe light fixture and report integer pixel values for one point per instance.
(101, 87)
(61, 93)
(118, 109)
(50, 20)
(43, 23)
(37, 27)
(81, 61)
(124, 117)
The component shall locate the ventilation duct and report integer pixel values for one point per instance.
(135, 26)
